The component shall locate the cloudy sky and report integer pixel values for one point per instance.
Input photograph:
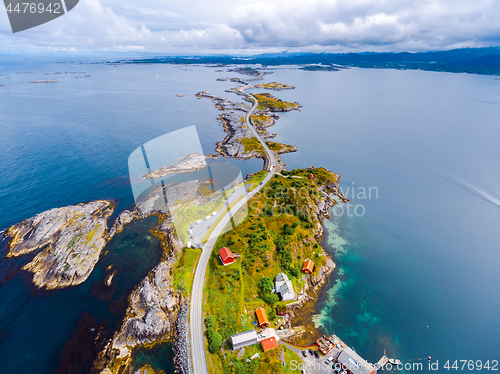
(243, 26)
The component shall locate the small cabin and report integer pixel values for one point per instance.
(262, 317)
(308, 267)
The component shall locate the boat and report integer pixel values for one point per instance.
(394, 361)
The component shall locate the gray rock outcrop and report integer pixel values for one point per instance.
(72, 239)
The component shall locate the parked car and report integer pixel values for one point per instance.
(262, 336)
(311, 351)
(328, 360)
(316, 354)
(304, 353)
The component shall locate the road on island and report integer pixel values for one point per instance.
(196, 309)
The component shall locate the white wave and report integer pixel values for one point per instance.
(475, 190)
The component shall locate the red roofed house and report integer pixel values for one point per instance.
(226, 256)
(262, 317)
(269, 343)
(308, 267)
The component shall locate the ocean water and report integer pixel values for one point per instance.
(417, 260)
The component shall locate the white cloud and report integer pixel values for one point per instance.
(221, 26)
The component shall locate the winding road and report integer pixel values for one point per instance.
(196, 309)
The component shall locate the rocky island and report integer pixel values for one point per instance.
(188, 164)
(70, 238)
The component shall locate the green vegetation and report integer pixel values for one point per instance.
(280, 148)
(261, 120)
(319, 68)
(255, 179)
(275, 86)
(247, 70)
(184, 269)
(268, 101)
(277, 236)
(213, 337)
(252, 144)
(72, 241)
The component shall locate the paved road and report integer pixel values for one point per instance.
(196, 314)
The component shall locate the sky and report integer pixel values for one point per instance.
(249, 27)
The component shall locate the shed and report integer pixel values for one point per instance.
(308, 266)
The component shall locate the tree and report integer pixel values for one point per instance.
(265, 285)
(270, 298)
(210, 322)
(294, 272)
(215, 342)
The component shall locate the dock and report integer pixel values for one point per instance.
(381, 363)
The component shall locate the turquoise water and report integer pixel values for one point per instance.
(425, 253)
(418, 273)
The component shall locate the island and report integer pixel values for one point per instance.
(70, 240)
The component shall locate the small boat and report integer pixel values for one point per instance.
(394, 361)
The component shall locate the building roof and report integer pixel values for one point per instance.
(286, 288)
(281, 277)
(308, 265)
(244, 337)
(225, 254)
(262, 316)
(354, 363)
(269, 343)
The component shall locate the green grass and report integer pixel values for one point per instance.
(268, 101)
(291, 356)
(252, 144)
(184, 270)
(275, 86)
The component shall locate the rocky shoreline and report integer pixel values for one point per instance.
(315, 282)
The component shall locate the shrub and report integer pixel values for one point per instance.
(210, 322)
(215, 342)
(265, 285)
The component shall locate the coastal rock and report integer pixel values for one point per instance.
(182, 346)
(153, 308)
(72, 239)
(187, 164)
(123, 220)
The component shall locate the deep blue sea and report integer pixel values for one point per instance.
(417, 261)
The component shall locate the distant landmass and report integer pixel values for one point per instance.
(464, 60)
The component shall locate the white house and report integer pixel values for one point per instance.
(284, 287)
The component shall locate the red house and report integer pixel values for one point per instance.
(308, 267)
(226, 256)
